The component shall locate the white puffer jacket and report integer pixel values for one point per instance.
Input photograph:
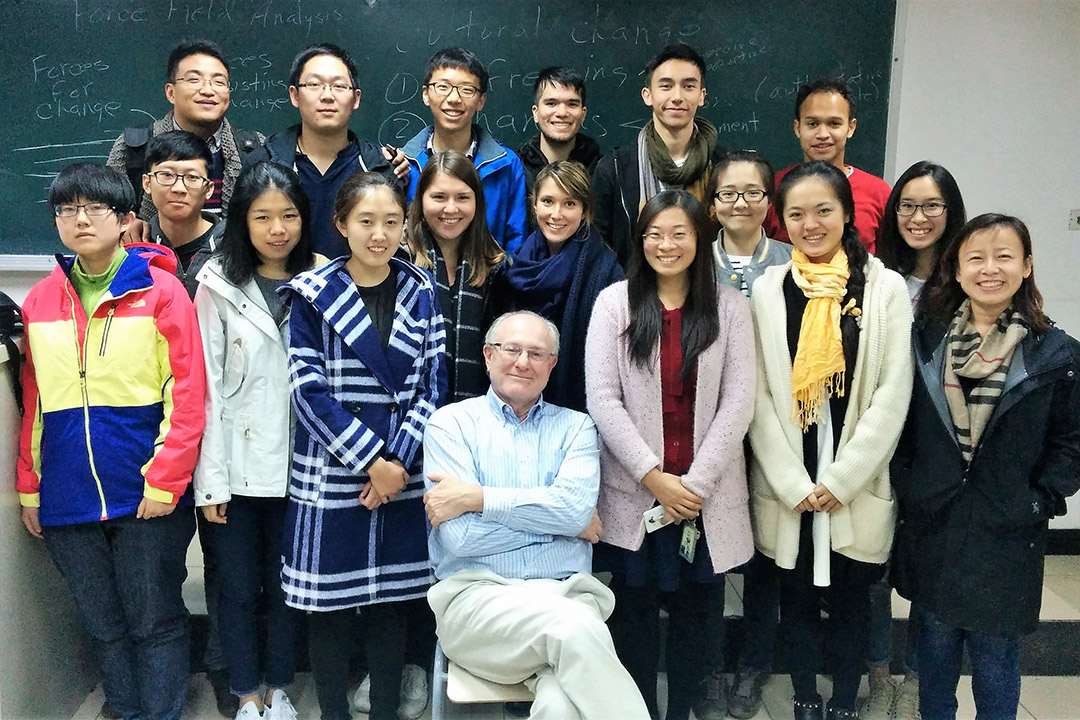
(247, 446)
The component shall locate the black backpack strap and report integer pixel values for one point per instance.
(135, 139)
(247, 143)
(11, 324)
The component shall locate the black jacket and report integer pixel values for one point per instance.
(971, 539)
(615, 184)
(586, 151)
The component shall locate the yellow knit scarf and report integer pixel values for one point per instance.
(818, 370)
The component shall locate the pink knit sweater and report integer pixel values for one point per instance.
(625, 402)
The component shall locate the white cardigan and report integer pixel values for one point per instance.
(247, 445)
(878, 398)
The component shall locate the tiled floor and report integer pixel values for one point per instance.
(1041, 698)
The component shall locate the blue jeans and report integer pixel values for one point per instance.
(995, 671)
(248, 553)
(879, 643)
(213, 656)
(126, 575)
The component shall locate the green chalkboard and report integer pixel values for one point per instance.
(74, 73)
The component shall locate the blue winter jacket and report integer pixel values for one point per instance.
(503, 176)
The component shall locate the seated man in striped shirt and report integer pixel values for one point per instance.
(512, 491)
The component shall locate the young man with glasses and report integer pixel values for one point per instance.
(455, 88)
(324, 152)
(824, 122)
(177, 182)
(197, 86)
(114, 388)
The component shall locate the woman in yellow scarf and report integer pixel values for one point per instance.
(833, 384)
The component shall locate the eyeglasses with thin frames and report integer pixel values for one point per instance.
(197, 81)
(513, 352)
(67, 211)
(318, 87)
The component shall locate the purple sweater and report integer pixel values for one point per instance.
(625, 402)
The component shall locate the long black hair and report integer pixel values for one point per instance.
(946, 295)
(853, 247)
(891, 248)
(700, 319)
(238, 256)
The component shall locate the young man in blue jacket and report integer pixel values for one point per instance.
(455, 88)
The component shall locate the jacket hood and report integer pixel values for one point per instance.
(487, 147)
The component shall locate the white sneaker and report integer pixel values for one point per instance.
(362, 699)
(907, 701)
(879, 705)
(414, 692)
(280, 707)
(249, 712)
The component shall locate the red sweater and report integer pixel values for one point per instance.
(871, 193)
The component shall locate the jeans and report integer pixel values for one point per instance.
(761, 613)
(879, 644)
(691, 640)
(126, 576)
(995, 671)
(248, 552)
(213, 657)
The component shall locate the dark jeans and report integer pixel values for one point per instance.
(995, 671)
(386, 634)
(213, 657)
(248, 551)
(691, 639)
(879, 650)
(761, 613)
(126, 575)
(804, 631)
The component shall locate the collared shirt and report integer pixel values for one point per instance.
(541, 476)
(470, 153)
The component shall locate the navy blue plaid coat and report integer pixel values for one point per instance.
(356, 402)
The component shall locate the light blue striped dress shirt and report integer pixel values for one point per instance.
(540, 476)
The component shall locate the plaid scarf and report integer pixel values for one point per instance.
(464, 309)
(657, 170)
(984, 360)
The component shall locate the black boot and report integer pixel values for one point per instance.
(808, 710)
(834, 713)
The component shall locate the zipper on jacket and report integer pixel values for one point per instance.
(80, 353)
(105, 332)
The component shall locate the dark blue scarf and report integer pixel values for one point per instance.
(541, 280)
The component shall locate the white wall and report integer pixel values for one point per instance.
(45, 668)
(991, 90)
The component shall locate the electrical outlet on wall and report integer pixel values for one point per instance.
(1074, 220)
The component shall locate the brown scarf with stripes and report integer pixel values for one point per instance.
(982, 360)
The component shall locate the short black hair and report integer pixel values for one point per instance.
(312, 51)
(768, 175)
(460, 58)
(177, 145)
(92, 183)
(675, 51)
(559, 75)
(825, 85)
(186, 49)
(238, 256)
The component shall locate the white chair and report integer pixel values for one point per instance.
(452, 682)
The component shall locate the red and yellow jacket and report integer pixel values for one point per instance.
(114, 402)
